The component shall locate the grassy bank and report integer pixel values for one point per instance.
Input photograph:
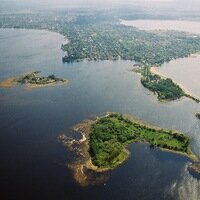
(110, 135)
(166, 89)
(104, 143)
(163, 87)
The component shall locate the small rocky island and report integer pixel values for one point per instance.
(33, 80)
(105, 139)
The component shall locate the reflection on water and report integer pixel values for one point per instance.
(33, 162)
(187, 188)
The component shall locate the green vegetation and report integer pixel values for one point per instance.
(97, 35)
(35, 78)
(166, 89)
(198, 115)
(111, 134)
(114, 41)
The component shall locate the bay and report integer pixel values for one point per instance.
(33, 162)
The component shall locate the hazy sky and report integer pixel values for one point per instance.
(82, 2)
(187, 4)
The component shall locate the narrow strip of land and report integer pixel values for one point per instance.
(165, 88)
(154, 70)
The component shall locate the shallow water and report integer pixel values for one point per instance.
(33, 161)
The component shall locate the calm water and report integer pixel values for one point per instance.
(185, 71)
(178, 25)
(33, 161)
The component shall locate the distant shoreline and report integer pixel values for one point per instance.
(164, 25)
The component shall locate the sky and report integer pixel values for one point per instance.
(193, 4)
(83, 2)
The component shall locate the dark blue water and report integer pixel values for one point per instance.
(33, 162)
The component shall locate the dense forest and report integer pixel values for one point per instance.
(166, 89)
(111, 134)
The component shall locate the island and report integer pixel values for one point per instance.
(33, 80)
(95, 42)
(105, 139)
(98, 36)
(197, 115)
(163, 87)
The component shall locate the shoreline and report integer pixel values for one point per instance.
(36, 86)
(189, 155)
(154, 70)
(13, 81)
(84, 164)
(84, 128)
(9, 82)
(83, 168)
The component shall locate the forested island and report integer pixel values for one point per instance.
(105, 140)
(33, 80)
(110, 135)
(165, 88)
(98, 35)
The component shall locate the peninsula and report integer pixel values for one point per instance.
(33, 80)
(101, 37)
(105, 141)
(163, 87)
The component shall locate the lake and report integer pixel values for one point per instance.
(184, 71)
(177, 25)
(33, 162)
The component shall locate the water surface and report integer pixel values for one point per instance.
(177, 25)
(33, 161)
(185, 71)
